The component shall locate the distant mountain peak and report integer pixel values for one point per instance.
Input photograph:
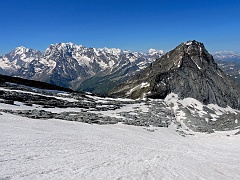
(20, 47)
(114, 51)
(153, 51)
(227, 56)
(225, 52)
(20, 50)
(66, 45)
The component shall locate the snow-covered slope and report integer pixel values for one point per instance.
(68, 64)
(54, 149)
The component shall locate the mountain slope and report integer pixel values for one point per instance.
(189, 71)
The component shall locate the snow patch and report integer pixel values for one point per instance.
(140, 86)
(153, 51)
(127, 108)
(188, 43)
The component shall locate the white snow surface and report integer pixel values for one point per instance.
(140, 86)
(188, 43)
(127, 108)
(55, 149)
(153, 51)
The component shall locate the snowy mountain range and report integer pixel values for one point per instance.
(227, 56)
(229, 62)
(70, 65)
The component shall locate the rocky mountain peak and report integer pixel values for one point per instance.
(194, 48)
(189, 71)
(18, 57)
(21, 50)
(62, 48)
(189, 51)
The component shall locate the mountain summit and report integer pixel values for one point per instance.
(189, 71)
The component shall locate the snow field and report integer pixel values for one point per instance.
(55, 149)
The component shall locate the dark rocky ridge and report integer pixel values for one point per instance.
(32, 83)
(189, 71)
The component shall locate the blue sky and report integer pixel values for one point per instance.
(135, 25)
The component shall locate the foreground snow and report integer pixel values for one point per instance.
(54, 149)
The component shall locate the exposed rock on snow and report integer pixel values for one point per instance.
(189, 115)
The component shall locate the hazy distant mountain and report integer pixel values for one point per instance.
(69, 65)
(227, 56)
(229, 62)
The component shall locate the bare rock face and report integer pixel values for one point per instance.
(189, 71)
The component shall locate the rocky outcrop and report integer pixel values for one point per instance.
(189, 71)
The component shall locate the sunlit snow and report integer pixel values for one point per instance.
(55, 149)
